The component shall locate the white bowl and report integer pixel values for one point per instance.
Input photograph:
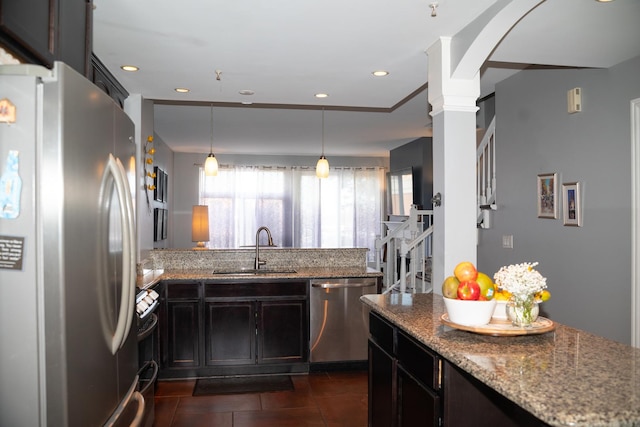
(469, 313)
(500, 311)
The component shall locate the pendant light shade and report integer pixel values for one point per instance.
(322, 167)
(211, 164)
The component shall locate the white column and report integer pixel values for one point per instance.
(454, 87)
(454, 163)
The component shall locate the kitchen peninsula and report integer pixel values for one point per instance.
(219, 315)
(566, 377)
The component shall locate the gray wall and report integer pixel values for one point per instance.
(588, 268)
(418, 155)
(163, 158)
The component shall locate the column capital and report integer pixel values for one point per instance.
(445, 92)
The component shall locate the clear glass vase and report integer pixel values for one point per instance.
(522, 310)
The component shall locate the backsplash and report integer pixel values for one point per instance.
(178, 259)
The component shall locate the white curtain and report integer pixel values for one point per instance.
(301, 210)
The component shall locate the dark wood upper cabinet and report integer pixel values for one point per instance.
(44, 31)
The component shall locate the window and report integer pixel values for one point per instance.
(301, 210)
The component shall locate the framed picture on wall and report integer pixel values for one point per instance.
(157, 182)
(158, 224)
(165, 186)
(571, 207)
(165, 223)
(548, 195)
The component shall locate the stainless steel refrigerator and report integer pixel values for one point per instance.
(68, 351)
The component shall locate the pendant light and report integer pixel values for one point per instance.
(211, 164)
(322, 167)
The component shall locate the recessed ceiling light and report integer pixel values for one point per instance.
(380, 73)
(246, 92)
(321, 95)
(129, 68)
(182, 90)
(604, 1)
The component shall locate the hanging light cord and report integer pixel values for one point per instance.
(211, 151)
(323, 132)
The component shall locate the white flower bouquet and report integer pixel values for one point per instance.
(521, 280)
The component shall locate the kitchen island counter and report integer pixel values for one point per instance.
(567, 377)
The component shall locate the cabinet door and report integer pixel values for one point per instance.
(183, 322)
(180, 324)
(282, 331)
(468, 402)
(417, 405)
(31, 24)
(230, 333)
(48, 30)
(382, 371)
(75, 26)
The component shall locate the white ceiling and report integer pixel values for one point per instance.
(288, 50)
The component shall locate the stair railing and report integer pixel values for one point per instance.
(406, 239)
(486, 176)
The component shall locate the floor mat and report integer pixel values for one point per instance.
(233, 385)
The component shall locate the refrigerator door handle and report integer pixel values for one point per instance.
(127, 299)
(137, 421)
(129, 252)
(134, 395)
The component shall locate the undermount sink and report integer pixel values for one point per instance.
(253, 272)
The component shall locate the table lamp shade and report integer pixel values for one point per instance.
(200, 224)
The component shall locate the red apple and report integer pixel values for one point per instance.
(469, 290)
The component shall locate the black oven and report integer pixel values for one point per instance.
(147, 301)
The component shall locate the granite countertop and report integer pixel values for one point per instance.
(566, 377)
(154, 276)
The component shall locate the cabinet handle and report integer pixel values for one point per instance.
(329, 285)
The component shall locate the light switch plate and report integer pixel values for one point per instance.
(507, 241)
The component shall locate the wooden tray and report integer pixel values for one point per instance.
(503, 328)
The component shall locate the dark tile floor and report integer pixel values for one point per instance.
(328, 399)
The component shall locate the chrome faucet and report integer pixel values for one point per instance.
(258, 262)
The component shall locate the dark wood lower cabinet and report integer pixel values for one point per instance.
(281, 335)
(230, 333)
(467, 402)
(234, 328)
(417, 405)
(404, 386)
(410, 385)
(184, 321)
(382, 393)
(180, 326)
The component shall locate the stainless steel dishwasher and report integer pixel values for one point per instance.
(339, 321)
